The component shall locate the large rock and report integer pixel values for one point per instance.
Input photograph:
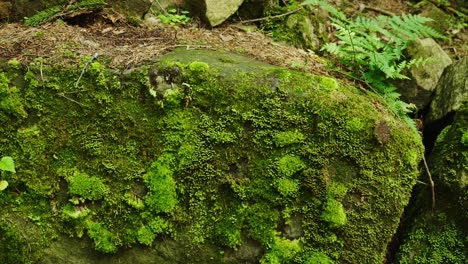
(423, 78)
(215, 12)
(438, 235)
(201, 157)
(451, 91)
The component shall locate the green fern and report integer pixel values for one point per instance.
(376, 46)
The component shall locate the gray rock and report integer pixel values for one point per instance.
(423, 78)
(306, 28)
(451, 91)
(216, 11)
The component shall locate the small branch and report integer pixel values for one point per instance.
(421, 182)
(162, 8)
(85, 67)
(383, 12)
(431, 182)
(42, 76)
(71, 100)
(270, 17)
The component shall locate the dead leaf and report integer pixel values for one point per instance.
(225, 38)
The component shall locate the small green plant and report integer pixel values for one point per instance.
(174, 19)
(375, 48)
(6, 164)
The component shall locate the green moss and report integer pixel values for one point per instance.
(283, 251)
(317, 258)
(288, 187)
(162, 196)
(334, 213)
(13, 248)
(437, 241)
(104, 240)
(145, 235)
(464, 139)
(262, 223)
(289, 165)
(88, 187)
(282, 139)
(355, 125)
(233, 164)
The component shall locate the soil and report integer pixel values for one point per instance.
(122, 44)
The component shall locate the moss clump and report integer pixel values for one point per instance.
(87, 187)
(162, 196)
(334, 213)
(288, 137)
(317, 258)
(283, 251)
(289, 165)
(104, 240)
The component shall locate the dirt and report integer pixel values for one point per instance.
(122, 44)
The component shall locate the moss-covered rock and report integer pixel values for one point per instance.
(203, 157)
(439, 235)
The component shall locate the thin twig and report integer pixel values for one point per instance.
(71, 100)
(421, 182)
(270, 17)
(42, 76)
(162, 8)
(431, 182)
(86, 66)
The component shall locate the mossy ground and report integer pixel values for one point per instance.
(205, 157)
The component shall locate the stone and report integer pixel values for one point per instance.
(259, 163)
(440, 18)
(423, 78)
(451, 91)
(438, 234)
(306, 29)
(215, 12)
(137, 8)
(251, 9)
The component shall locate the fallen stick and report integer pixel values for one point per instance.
(270, 17)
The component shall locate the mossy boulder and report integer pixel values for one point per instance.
(438, 235)
(202, 157)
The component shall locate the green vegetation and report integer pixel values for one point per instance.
(87, 187)
(162, 196)
(374, 47)
(6, 164)
(437, 241)
(58, 11)
(283, 251)
(239, 162)
(174, 19)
